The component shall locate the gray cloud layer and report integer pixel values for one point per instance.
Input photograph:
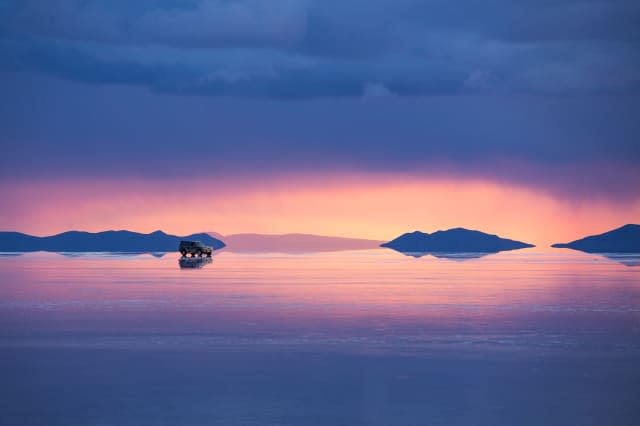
(305, 49)
(542, 93)
(575, 146)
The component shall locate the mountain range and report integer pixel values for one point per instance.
(107, 241)
(625, 239)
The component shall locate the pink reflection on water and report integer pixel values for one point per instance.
(376, 294)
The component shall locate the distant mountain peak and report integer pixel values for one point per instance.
(629, 226)
(625, 239)
(455, 240)
(295, 243)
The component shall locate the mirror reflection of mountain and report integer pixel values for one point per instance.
(457, 257)
(111, 254)
(461, 257)
(194, 262)
(627, 259)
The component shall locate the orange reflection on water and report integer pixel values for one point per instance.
(375, 279)
(531, 297)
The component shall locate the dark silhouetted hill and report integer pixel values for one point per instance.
(625, 239)
(108, 241)
(457, 240)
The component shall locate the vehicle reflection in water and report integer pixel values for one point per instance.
(194, 262)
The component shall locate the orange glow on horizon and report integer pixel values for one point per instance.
(376, 207)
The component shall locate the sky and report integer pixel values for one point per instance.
(355, 118)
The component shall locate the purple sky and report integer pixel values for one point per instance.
(536, 93)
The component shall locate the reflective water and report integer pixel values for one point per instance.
(361, 337)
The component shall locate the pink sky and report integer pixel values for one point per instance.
(366, 206)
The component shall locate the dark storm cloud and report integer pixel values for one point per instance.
(307, 49)
(187, 23)
(577, 146)
(543, 93)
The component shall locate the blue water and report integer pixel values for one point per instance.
(350, 338)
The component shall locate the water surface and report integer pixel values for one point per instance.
(360, 337)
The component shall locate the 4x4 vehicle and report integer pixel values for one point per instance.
(194, 248)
